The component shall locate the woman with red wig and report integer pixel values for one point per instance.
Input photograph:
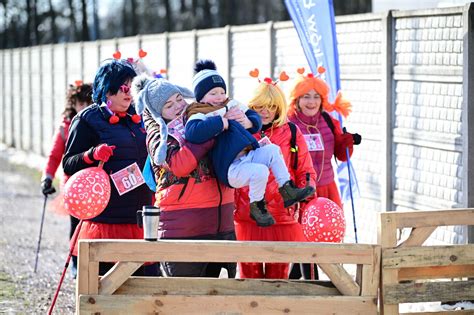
(309, 110)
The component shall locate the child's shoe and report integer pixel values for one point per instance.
(259, 212)
(292, 194)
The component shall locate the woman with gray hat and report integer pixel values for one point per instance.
(193, 204)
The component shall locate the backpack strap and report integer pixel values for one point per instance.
(328, 120)
(293, 146)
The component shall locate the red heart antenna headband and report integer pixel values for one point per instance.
(282, 77)
(340, 105)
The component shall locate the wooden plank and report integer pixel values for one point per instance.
(428, 292)
(116, 276)
(418, 236)
(437, 272)
(433, 218)
(427, 256)
(206, 286)
(387, 237)
(177, 304)
(371, 275)
(82, 279)
(218, 251)
(341, 279)
(460, 312)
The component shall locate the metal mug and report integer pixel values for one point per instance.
(149, 219)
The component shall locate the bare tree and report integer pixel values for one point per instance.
(54, 29)
(72, 21)
(85, 26)
(134, 17)
(34, 10)
(5, 24)
(168, 16)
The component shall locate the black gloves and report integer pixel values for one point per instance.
(47, 186)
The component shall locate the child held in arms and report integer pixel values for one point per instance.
(238, 159)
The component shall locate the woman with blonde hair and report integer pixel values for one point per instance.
(269, 102)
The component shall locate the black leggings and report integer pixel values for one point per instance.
(305, 270)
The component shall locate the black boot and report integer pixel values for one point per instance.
(259, 212)
(292, 194)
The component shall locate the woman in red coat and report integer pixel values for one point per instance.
(78, 97)
(269, 102)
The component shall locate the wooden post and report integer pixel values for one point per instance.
(87, 281)
(387, 237)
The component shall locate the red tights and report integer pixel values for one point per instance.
(256, 270)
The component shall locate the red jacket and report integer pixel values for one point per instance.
(280, 136)
(57, 150)
(191, 200)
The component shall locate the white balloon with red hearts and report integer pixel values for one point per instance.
(323, 221)
(87, 193)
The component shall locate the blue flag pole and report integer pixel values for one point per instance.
(315, 24)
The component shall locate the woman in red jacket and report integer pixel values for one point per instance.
(269, 102)
(78, 97)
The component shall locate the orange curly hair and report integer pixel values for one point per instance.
(307, 83)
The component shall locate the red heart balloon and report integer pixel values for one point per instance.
(87, 193)
(323, 221)
(142, 53)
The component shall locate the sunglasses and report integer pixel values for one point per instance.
(124, 88)
(271, 108)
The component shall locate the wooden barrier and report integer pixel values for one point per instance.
(414, 273)
(120, 293)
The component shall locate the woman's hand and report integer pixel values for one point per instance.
(239, 116)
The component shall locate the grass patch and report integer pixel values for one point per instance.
(27, 171)
(7, 287)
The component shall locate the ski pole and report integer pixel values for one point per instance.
(40, 232)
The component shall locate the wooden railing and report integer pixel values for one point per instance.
(414, 273)
(120, 293)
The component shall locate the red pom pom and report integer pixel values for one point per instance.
(310, 75)
(136, 118)
(113, 120)
(122, 114)
(268, 80)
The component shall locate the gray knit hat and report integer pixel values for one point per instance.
(152, 93)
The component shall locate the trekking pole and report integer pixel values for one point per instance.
(40, 232)
(66, 265)
(350, 190)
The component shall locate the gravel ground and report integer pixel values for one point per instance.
(21, 290)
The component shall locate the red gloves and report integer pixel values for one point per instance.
(100, 153)
(345, 140)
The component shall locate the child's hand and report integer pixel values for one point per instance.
(225, 122)
(234, 113)
(239, 116)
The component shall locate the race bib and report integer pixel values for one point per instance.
(314, 142)
(264, 141)
(176, 129)
(127, 178)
